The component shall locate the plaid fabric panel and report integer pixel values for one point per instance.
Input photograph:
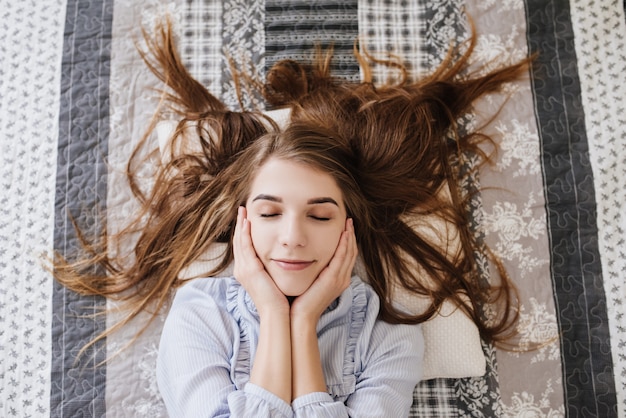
(434, 398)
(201, 42)
(390, 31)
(293, 30)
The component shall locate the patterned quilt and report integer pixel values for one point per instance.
(75, 97)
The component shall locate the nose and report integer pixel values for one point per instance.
(293, 233)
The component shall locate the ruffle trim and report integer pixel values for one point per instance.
(352, 303)
(236, 296)
(357, 298)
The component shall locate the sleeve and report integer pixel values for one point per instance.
(387, 362)
(318, 405)
(385, 386)
(391, 369)
(194, 363)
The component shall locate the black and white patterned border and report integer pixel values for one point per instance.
(292, 32)
(576, 270)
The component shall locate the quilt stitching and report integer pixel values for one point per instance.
(602, 60)
(78, 385)
(576, 271)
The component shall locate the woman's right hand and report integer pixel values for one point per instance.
(332, 280)
(250, 272)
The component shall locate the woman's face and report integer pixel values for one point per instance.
(296, 215)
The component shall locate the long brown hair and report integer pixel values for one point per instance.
(393, 149)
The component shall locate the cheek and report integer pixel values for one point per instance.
(328, 242)
(261, 237)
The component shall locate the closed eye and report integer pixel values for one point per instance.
(320, 218)
(269, 215)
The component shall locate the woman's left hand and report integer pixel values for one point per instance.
(332, 280)
(249, 271)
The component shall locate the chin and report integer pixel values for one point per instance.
(292, 286)
(292, 291)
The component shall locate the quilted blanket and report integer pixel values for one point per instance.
(75, 97)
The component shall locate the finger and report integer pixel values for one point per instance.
(340, 266)
(244, 253)
(247, 244)
(341, 253)
(353, 246)
(239, 222)
(246, 236)
(237, 234)
(349, 257)
(237, 244)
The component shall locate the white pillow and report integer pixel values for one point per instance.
(452, 341)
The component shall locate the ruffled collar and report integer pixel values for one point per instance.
(349, 309)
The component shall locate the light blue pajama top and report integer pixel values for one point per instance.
(209, 342)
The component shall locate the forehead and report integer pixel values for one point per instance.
(291, 179)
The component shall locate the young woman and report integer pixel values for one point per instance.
(293, 332)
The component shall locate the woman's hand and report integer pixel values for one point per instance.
(331, 282)
(306, 309)
(271, 369)
(250, 272)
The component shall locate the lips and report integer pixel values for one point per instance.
(292, 265)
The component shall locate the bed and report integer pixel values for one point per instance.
(75, 96)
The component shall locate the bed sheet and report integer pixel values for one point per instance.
(75, 96)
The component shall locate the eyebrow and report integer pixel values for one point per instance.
(314, 201)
